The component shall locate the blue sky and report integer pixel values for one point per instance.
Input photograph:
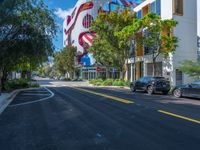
(61, 8)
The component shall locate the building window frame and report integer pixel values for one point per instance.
(139, 14)
(158, 7)
(178, 10)
(153, 7)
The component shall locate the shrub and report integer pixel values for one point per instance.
(16, 84)
(119, 82)
(34, 85)
(66, 79)
(96, 82)
(107, 82)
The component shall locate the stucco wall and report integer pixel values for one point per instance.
(186, 31)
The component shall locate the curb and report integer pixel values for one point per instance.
(10, 98)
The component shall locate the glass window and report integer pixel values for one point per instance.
(153, 7)
(178, 7)
(158, 7)
(139, 14)
(179, 77)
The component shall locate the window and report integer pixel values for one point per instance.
(179, 77)
(153, 7)
(158, 69)
(178, 7)
(139, 14)
(158, 7)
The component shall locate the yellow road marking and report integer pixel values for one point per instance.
(179, 116)
(106, 96)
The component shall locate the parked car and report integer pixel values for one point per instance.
(151, 85)
(188, 90)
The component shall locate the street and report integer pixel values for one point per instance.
(72, 117)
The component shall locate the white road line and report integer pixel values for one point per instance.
(35, 101)
(34, 91)
(32, 94)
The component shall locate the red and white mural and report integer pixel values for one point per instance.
(76, 27)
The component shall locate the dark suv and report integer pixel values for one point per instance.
(151, 85)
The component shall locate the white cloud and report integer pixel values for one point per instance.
(63, 13)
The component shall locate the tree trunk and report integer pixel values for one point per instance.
(154, 67)
(0, 81)
(3, 79)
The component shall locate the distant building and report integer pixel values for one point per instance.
(76, 32)
(185, 12)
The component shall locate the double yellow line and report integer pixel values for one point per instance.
(106, 96)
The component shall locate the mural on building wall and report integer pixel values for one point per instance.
(76, 26)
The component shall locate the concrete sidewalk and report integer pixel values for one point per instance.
(5, 99)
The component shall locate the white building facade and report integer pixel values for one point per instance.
(183, 11)
(198, 28)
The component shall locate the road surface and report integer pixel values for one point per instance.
(86, 118)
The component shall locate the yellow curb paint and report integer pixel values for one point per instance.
(106, 96)
(179, 116)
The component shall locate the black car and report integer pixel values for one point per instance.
(188, 90)
(151, 85)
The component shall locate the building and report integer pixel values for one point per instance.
(198, 28)
(76, 32)
(183, 11)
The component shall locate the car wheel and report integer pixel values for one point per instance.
(177, 93)
(150, 90)
(132, 88)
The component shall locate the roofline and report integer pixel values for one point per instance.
(143, 4)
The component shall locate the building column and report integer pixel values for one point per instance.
(145, 68)
(132, 72)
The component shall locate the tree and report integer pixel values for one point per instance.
(108, 48)
(65, 60)
(27, 28)
(191, 68)
(157, 36)
(154, 34)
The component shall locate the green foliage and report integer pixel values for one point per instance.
(191, 68)
(27, 28)
(34, 85)
(16, 84)
(67, 79)
(108, 48)
(65, 60)
(109, 82)
(157, 35)
(11, 85)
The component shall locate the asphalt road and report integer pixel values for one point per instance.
(98, 119)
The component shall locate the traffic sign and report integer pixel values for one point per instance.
(98, 69)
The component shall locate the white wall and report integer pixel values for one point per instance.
(186, 31)
(166, 9)
(198, 21)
